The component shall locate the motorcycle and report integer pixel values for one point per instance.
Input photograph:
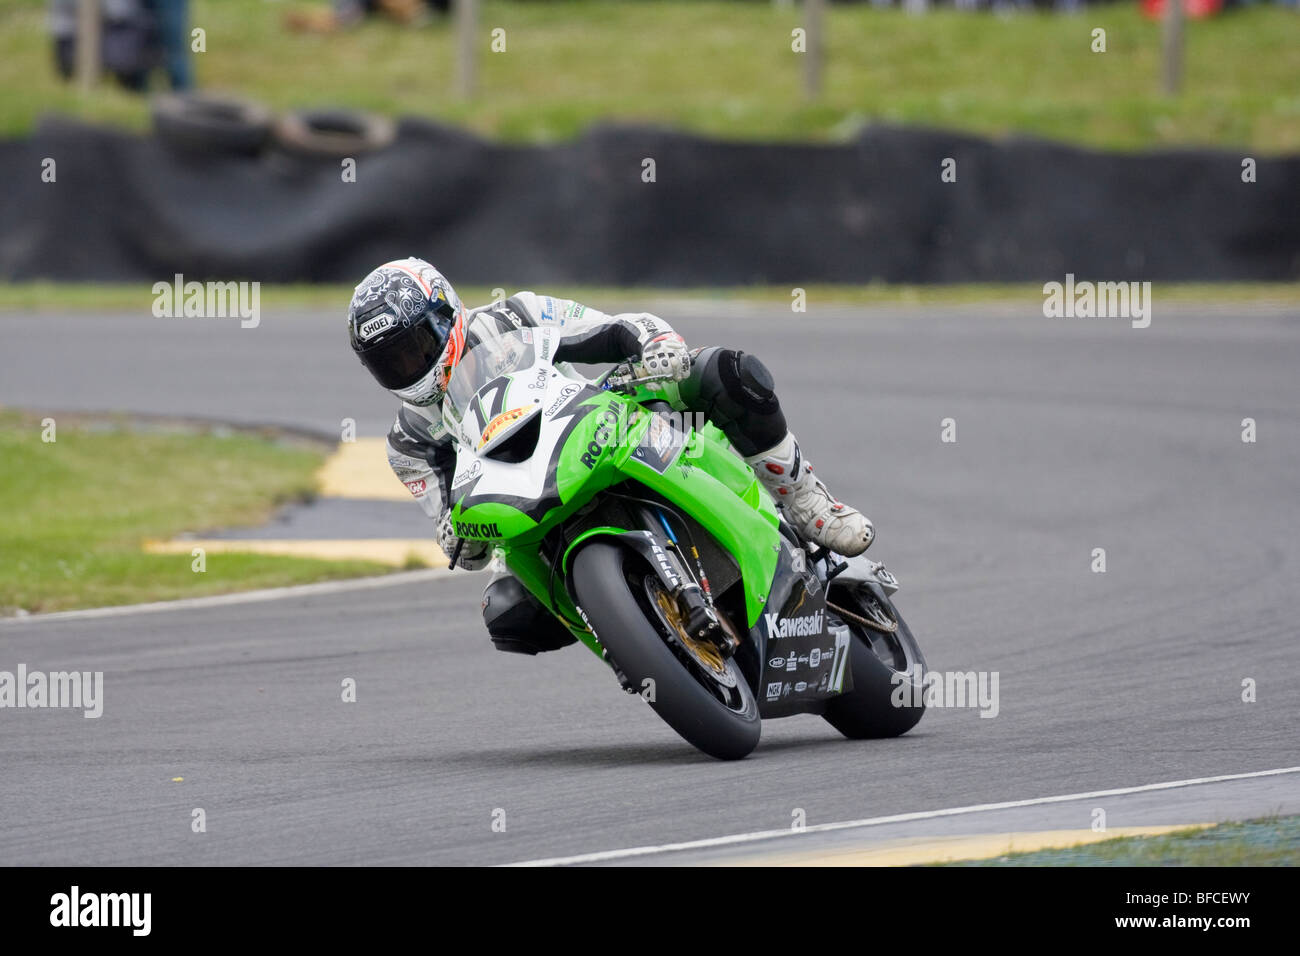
(652, 542)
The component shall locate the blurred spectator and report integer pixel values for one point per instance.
(347, 13)
(136, 36)
(1194, 8)
(173, 19)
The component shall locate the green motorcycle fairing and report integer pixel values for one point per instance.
(537, 444)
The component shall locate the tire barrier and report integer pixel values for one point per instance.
(628, 206)
(206, 122)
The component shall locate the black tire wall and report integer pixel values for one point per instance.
(127, 207)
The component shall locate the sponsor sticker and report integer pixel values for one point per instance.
(469, 474)
(661, 556)
(566, 393)
(596, 447)
(372, 327)
(417, 487)
(660, 436)
(801, 626)
(476, 529)
(502, 422)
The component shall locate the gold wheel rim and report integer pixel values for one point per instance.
(703, 651)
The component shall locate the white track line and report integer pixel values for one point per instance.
(242, 597)
(877, 821)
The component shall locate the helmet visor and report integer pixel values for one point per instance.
(408, 356)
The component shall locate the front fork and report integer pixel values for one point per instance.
(683, 575)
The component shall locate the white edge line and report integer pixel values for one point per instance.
(736, 838)
(241, 597)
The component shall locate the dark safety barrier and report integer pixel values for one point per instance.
(127, 207)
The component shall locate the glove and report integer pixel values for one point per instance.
(473, 554)
(664, 357)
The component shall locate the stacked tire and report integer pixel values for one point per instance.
(215, 124)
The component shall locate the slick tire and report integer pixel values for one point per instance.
(609, 582)
(869, 711)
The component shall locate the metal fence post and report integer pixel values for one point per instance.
(813, 16)
(467, 47)
(88, 40)
(1173, 44)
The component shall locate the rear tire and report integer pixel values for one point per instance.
(878, 661)
(609, 583)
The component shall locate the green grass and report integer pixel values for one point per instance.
(18, 298)
(1273, 841)
(727, 68)
(73, 512)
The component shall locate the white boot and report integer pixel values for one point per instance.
(807, 503)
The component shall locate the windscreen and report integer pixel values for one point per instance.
(488, 354)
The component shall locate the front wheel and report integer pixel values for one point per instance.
(702, 696)
(886, 700)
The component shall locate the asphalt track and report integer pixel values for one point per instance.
(1072, 434)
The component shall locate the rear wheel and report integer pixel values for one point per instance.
(697, 692)
(888, 668)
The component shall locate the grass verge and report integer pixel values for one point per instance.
(728, 69)
(75, 511)
(1272, 841)
(332, 300)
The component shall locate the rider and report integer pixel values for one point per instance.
(408, 327)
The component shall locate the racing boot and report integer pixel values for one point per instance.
(807, 503)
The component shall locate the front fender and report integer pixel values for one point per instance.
(720, 491)
(643, 543)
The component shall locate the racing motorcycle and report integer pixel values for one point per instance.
(652, 543)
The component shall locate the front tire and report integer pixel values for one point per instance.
(714, 711)
(882, 664)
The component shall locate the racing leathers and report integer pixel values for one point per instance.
(421, 449)
(732, 389)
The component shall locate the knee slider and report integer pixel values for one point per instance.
(755, 377)
(752, 386)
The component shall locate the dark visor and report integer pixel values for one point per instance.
(409, 355)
